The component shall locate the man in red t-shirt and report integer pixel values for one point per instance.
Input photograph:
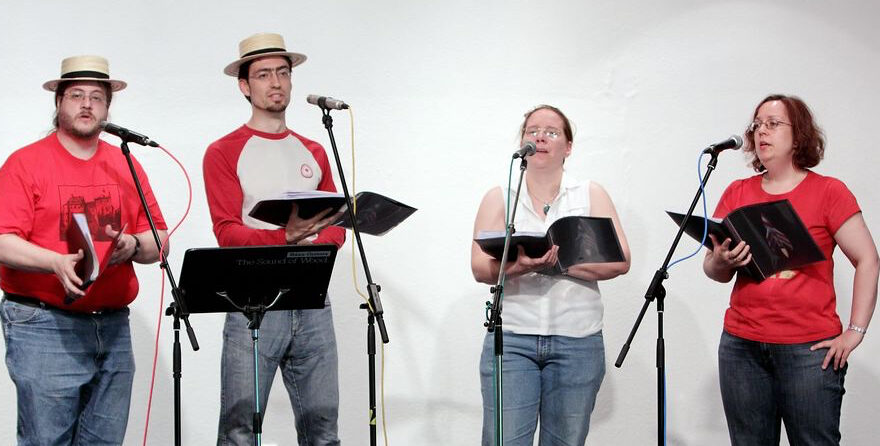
(68, 345)
(263, 159)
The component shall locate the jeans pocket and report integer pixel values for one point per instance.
(14, 313)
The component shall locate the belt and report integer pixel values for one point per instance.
(37, 303)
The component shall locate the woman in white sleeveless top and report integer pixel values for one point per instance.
(554, 356)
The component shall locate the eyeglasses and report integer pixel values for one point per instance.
(283, 73)
(80, 96)
(549, 132)
(771, 124)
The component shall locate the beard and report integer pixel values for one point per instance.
(69, 125)
(265, 102)
(268, 105)
(276, 108)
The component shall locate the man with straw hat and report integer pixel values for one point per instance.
(68, 345)
(262, 159)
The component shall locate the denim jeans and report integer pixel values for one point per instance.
(72, 373)
(555, 378)
(303, 345)
(763, 384)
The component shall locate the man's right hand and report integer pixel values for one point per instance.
(299, 229)
(63, 267)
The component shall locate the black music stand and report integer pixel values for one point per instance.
(253, 280)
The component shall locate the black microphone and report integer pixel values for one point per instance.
(326, 102)
(127, 135)
(528, 149)
(734, 142)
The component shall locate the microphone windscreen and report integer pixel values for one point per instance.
(737, 140)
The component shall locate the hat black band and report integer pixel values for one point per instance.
(78, 74)
(264, 50)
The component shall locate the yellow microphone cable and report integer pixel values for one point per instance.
(354, 279)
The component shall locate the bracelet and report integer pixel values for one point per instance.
(857, 329)
(137, 248)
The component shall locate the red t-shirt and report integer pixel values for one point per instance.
(247, 166)
(791, 306)
(41, 185)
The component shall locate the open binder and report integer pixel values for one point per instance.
(79, 237)
(580, 240)
(376, 213)
(777, 238)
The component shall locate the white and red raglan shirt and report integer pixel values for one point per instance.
(247, 166)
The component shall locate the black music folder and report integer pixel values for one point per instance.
(777, 238)
(580, 240)
(376, 213)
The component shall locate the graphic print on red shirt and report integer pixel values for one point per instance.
(100, 204)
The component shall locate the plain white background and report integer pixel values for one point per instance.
(439, 89)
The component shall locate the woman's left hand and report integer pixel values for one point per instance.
(839, 348)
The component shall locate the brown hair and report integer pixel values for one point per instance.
(566, 124)
(807, 137)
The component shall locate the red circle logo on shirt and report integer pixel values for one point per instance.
(306, 171)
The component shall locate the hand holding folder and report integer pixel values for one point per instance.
(777, 238)
(376, 213)
(580, 240)
(79, 237)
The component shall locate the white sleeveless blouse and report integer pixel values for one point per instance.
(545, 305)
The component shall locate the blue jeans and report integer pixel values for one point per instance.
(555, 378)
(763, 384)
(72, 374)
(303, 345)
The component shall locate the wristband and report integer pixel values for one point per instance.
(137, 248)
(857, 329)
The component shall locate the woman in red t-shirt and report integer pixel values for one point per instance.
(782, 334)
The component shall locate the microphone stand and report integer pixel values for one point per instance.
(658, 292)
(493, 324)
(176, 308)
(374, 309)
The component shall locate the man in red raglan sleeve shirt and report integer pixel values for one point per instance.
(260, 160)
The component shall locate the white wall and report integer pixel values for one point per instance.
(439, 89)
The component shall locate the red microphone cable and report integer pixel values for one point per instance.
(162, 251)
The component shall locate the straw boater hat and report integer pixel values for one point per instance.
(85, 68)
(262, 45)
